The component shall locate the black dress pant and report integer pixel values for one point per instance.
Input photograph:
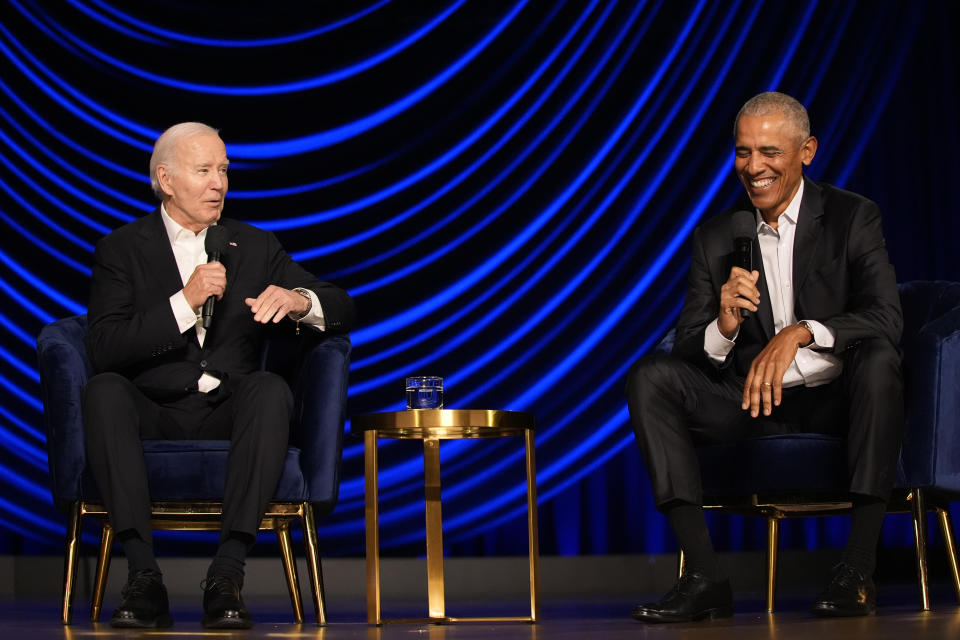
(675, 406)
(252, 411)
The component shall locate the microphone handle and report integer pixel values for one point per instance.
(212, 300)
(744, 250)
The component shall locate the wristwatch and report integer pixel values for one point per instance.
(303, 315)
(809, 327)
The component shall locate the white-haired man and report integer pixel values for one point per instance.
(163, 374)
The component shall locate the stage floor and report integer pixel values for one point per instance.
(897, 618)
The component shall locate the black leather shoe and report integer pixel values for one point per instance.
(145, 604)
(849, 593)
(692, 598)
(222, 605)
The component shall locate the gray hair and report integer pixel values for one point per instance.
(775, 102)
(166, 144)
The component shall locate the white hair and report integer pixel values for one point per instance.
(166, 145)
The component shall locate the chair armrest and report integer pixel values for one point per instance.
(64, 369)
(320, 393)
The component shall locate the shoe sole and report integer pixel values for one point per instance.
(160, 622)
(227, 623)
(712, 614)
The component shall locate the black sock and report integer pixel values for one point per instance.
(139, 553)
(690, 527)
(865, 523)
(231, 556)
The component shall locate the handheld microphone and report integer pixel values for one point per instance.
(216, 245)
(744, 231)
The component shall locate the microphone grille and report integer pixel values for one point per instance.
(216, 240)
(744, 224)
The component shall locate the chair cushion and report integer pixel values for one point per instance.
(195, 470)
(790, 463)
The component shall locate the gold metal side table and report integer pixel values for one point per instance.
(432, 426)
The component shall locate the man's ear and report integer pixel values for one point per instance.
(163, 179)
(807, 150)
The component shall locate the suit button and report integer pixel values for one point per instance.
(203, 364)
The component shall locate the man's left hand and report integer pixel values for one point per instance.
(275, 303)
(764, 383)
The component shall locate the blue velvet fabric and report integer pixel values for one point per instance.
(814, 463)
(316, 367)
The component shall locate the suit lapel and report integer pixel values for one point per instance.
(158, 257)
(157, 254)
(809, 226)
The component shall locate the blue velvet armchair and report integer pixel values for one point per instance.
(806, 474)
(186, 477)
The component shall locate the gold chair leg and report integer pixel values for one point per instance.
(434, 527)
(920, 536)
(681, 563)
(282, 530)
(312, 544)
(946, 527)
(773, 546)
(533, 534)
(103, 569)
(70, 560)
(372, 526)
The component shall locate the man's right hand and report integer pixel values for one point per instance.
(208, 279)
(739, 292)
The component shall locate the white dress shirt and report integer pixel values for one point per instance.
(190, 251)
(810, 367)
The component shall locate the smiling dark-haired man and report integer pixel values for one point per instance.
(816, 352)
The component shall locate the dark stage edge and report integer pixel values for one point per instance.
(561, 620)
(582, 597)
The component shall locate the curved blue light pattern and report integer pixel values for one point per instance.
(426, 171)
(287, 87)
(212, 42)
(425, 307)
(515, 221)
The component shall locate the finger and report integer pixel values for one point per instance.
(265, 311)
(760, 399)
(747, 290)
(766, 393)
(778, 374)
(272, 310)
(747, 385)
(261, 299)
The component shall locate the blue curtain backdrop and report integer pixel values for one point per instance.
(506, 188)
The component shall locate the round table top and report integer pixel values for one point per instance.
(444, 423)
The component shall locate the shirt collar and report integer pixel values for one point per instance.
(791, 213)
(175, 231)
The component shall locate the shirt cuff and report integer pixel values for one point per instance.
(715, 345)
(183, 313)
(823, 336)
(314, 316)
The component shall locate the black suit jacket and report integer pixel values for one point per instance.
(131, 326)
(842, 278)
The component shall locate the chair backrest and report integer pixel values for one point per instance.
(315, 365)
(931, 366)
(64, 370)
